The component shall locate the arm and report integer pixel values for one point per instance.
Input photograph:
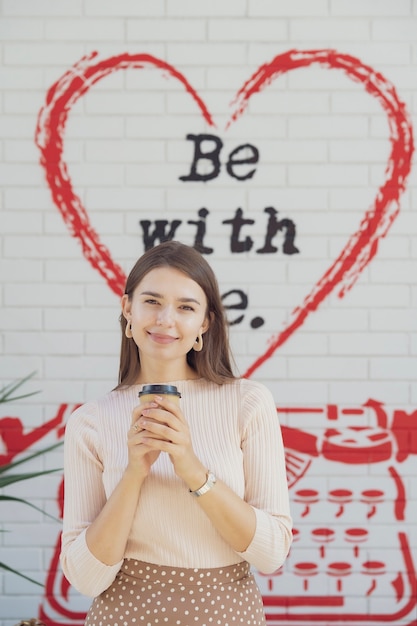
(96, 528)
(266, 480)
(84, 498)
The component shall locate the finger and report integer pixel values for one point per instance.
(156, 429)
(170, 406)
(137, 411)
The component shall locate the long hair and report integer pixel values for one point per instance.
(214, 361)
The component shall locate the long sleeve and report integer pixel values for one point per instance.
(84, 498)
(266, 488)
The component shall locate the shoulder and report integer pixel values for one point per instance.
(254, 390)
(91, 413)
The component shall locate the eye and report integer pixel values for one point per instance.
(187, 307)
(151, 301)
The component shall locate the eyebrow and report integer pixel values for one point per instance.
(154, 294)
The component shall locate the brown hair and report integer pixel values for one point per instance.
(214, 361)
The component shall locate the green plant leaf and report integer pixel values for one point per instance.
(10, 466)
(15, 478)
(14, 571)
(7, 390)
(22, 501)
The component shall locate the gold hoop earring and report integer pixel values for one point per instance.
(198, 344)
(128, 330)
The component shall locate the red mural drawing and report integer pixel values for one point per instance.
(335, 571)
(361, 246)
(352, 512)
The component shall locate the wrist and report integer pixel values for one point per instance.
(206, 486)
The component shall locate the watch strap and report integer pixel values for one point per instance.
(209, 484)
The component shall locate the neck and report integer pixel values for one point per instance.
(165, 372)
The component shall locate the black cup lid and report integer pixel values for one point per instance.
(162, 389)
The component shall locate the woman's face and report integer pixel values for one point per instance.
(167, 312)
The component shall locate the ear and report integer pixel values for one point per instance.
(206, 323)
(126, 305)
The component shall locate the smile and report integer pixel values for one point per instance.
(158, 338)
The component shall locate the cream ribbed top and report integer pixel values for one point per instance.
(235, 433)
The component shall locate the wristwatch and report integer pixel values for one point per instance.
(209, 484)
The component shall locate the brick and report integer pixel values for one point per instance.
(18, 198)
(353, 392)
(369, 8)
(20, 78)
(393, 368)
(291, 392)
(125, 199)
(162, 128)
(335, 126)
(247, 30)
(20, 151)
(12, 29)
(43, 343)
(93, 127)
(206, 53)
(11, 366)
(62, 391)
(45, 53)
(392, 344)
(16, 126)
(96, 174)
(326, 320)
(390, 271)
(125, 151)
(40, 247)
(327, 175)
(386, 319)
(43, 295)
(123, 8)
(394, 29)
(19, 173)
(96, 389)
(320, 30)
(350, 102)
(229, 78)
(167, 30)
(305, 344)
(80, 367)
(15, 271)
(42, 7)
(325, 368)
(103, 343)
(360, 150)
(381, 55)
(132, 103)
(281, 8)
(17, 319)
(97, 29)
(292, 102)
(218, 8)
(151, 78)
(15, 222)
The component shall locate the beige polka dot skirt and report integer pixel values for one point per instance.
(144, 594)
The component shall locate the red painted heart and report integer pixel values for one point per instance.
(361, 246)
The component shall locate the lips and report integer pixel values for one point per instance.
(164, 339)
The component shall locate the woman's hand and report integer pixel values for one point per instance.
(141, 456)
(165, 429)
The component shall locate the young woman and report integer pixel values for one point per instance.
(168, 505)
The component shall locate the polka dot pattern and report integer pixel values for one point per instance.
(144, 594)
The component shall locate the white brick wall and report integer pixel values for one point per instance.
(323, 144)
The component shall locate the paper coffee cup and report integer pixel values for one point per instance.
(149, 391)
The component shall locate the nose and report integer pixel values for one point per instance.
(165, 316)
